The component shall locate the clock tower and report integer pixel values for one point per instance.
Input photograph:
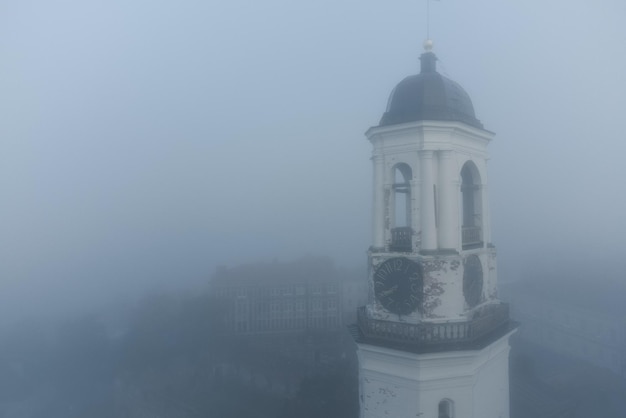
(433, 339)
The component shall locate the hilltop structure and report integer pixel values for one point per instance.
(281, 298)
(290, 317)
(433, 340)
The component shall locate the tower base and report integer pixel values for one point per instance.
(464, 383)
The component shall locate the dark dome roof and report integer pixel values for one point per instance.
(429, 96)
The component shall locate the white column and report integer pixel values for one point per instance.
(486, 222)
(378, 216)
(389, 208)
(415, 210)
(448, 202)
(429, 229)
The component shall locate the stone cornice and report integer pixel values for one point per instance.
(440, 126)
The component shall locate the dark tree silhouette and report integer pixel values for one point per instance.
(333, 395)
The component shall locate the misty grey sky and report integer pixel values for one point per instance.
(143, 142)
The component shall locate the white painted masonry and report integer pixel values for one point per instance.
(399, 384)
(435, 151)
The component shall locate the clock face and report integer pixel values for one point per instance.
(398, 285)
(473, 280)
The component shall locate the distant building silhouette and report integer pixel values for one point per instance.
(268, 298)
(286, 320)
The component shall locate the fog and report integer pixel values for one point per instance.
(145, 142)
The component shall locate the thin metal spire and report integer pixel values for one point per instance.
(428, 19)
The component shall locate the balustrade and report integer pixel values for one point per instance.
(401, 239)
(426, 333)
(472, 235)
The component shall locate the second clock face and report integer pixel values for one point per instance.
(398, 285)
(473, 281)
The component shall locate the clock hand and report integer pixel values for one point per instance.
(389, 291)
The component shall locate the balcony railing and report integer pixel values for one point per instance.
(472, 235)
(424, 334)
(401, 239)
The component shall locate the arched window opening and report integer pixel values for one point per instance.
(401, 232)
(402, 195)
(472, 206)
(446, 409)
